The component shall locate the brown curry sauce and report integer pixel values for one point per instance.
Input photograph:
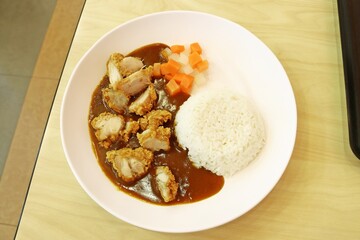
(195, 184)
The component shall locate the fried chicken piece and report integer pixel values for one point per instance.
(145, 102)
(155, 139)
(108, 127)
(136, 82)
(119, 67)
(115, 99)
(154, 119)
(113, 68)
(129, 65)
(131, 127)
(130, 164)
(166, 183)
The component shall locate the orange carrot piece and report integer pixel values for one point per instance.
(194, 58)
(173, 66)
(179, 77)
(186, 85)
(202, 66)
(195, 47)
(157, 70)
(163, 69)
(169, 76)
(172, 87)
(177, 48)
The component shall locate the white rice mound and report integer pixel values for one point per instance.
(221, 130)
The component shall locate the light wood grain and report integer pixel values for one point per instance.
(36, 106)
(318, 197)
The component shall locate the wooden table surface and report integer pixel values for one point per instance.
(318, 196)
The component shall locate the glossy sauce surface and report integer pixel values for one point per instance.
(194, 184)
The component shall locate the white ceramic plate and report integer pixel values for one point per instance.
(237, 59)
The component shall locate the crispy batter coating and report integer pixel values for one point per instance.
(145, 102)
(131, 91)
(107, 128)
(155, 139)
(166, 183)
(136, 82)
(154, 119)
(113, 68)
(115, 99)
(131, 127)
(130, 164)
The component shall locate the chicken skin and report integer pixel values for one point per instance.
(107, 128)
(155, 139)
(131, 127)
(115, 99)
(166, 183)
(154, 119)
(145, 102)
(154, 136)
(130, 164)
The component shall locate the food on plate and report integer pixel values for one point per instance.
(129, 65)
(119, 67)
(107, 128)
(115, 99)
(155, 119)
(131, 127)
(145, 102)
(135, 82)
(222, 131)
(113, 68)
(166, 183)
(131, 123)
(184, 68)
(155, 139)
(130, 164)
(154, 136)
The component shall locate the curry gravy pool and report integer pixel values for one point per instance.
(193, 184)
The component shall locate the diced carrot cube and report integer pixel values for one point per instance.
(163, 69)
(179, 77)
(177, 48)
(194, 58)
(172, 87)
(195, 47)
(202, 66)
(173, 66)
(169, 76)
(186, 85)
